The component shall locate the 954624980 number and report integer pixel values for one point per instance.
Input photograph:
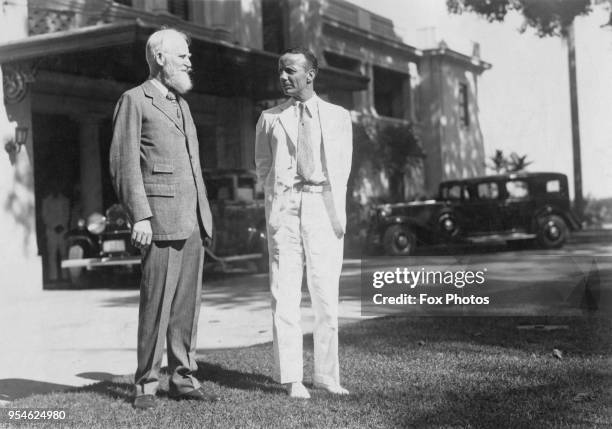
(32, 415)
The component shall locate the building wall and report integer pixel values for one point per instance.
(453, 149)
(345, 36)
(242, 18)
(20, 264)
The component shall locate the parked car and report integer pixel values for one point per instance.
(239, 240)
(516, 208)
(101, 241)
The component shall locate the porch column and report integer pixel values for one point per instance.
(364, 100)
(91, 170)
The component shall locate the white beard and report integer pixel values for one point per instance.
(179, 81)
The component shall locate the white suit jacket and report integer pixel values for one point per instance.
(275, 148)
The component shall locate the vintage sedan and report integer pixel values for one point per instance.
(516, 208)
(239, 241)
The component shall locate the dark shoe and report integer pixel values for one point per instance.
(196, 395)
(144, 402)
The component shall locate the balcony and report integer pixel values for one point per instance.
(355, 16)
(50, 16)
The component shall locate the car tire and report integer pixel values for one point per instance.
(399, 240)
(77, 275)
(552, 232)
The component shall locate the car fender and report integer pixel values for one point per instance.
(455, 216)
(569, 217)
(82, 239)
(400, 220)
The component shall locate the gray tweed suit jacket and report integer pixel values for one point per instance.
(155, 164)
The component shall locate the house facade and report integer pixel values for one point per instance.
(65, 64)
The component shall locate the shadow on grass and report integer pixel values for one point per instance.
(116, 387)
(236, 379)
(16, 388)
(546, 405)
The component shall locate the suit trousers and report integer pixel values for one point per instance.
(305, 237)
(170, 297)
(55, 248)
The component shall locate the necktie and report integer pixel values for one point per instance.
(172, 98)
(305, 157)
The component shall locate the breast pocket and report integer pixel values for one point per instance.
(163, 169)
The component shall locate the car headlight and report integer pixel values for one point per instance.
(448, 224)
(385, 211)
(96, 223)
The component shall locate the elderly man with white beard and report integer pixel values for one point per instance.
(156, 173)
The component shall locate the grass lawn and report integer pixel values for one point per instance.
(401, 371)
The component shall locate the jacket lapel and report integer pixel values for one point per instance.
(326, 119)
(161, 103)
(189, 128)
(289, 121)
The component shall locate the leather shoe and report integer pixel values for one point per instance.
(196, 395)
(144, 402)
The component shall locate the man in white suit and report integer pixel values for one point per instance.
(303, 155)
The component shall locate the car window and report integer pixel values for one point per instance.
(517, 189)
(246, 189)
(488, 191)
(453, 192)
(553, 186)
(220, 188)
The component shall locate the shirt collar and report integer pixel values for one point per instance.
(311, 104)
(162, 88)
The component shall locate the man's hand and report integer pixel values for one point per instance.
(142, 234)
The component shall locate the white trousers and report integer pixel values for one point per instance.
(305, 237)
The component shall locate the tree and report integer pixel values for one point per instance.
(512, 164)
(498, 162)
(548, 18)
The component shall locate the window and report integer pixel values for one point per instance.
(389, 87)
(464, 105)
(342, 62)
(339, 96)
(452, 192)
(273, 25)
(179, 8)
(488, 191)
(553, 186)
(517, 189)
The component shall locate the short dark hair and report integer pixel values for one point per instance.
(308, 54)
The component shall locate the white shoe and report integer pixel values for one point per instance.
(298, 390)
(336, 389)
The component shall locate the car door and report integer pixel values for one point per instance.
(518, 205)
(482, 207)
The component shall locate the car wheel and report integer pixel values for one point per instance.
(399, 240)
(552, 232)
(77, 274)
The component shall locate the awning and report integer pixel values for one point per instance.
(117, 51)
